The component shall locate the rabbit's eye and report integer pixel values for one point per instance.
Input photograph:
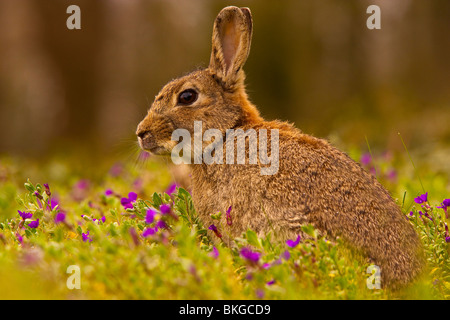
(187, 97)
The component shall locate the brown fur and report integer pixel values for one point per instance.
(315, 184)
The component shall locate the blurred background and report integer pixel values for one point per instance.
(313, 63)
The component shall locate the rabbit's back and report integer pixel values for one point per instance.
(316, 184)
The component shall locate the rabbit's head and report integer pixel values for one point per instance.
(214, 95)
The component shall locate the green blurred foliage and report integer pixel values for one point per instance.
(178, 263)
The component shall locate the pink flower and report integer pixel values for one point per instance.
(214, 253)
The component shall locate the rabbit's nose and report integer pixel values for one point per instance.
(142, 134)
(147, 141)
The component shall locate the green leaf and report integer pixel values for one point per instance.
(20, 201)
(183, 193)
(28, 233)
(29, 187)
(309, 230)
(156, 200)
(38, 214)
(252, 238)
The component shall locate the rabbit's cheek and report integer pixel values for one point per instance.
(154, 134)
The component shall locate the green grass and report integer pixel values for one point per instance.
(178, 262)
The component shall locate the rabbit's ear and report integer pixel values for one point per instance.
(231, 40)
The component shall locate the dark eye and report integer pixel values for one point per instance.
(187, 97)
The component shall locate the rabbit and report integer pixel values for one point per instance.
(315, 183)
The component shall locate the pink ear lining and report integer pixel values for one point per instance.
(230, 44)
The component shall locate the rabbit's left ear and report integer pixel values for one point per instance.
(231, 41)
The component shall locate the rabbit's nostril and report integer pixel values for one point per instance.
(142, 134)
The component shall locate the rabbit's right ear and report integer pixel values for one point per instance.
(231, 41)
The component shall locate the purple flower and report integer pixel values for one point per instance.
(447, 235)
(150, 217)
(428, 216)
(25, 215)
(52, 203)
(47, 189)
(127, 202)
(214, 253)
(270, 282)
(137, 184)
(444, 205)
(250, 255)
(80, 189)
(161, 224)
(392, 175)
(215, 230)
(292, 243)
(86, 237)
(31, 256)
(116, 170)
(286, 255)
(109, 192)
(171, 189)
(34, 224)
(164, 208)
(60, 217)
(149, 232)
(38, 195)
(83, 184)
(229, 220)
(366, 158)
(134, 236)
(144, 155)
(259, 293)
(19, 237)
(422, 198)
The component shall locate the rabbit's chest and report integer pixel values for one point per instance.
(233, 187)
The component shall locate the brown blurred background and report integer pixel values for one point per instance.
(312, 62)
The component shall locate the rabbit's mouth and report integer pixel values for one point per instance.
(158, 150)
(148, 143)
